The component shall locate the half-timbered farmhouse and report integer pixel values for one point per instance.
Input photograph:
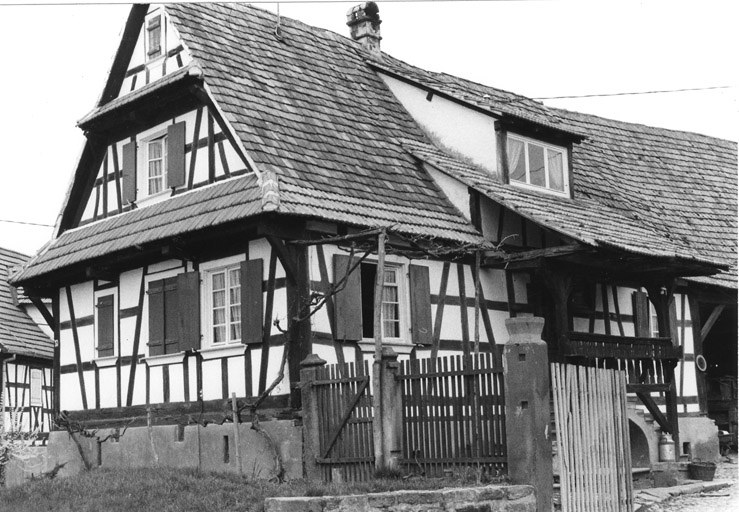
(26, 356)
(227, 209)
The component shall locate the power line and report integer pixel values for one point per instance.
(635, 93)
(26, 223)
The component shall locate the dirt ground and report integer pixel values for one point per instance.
(722, 500)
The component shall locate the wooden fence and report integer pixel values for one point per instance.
(453, 414)
(345, 414)
(592, 438)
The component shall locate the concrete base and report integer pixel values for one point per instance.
(519, 498)
(701, 434)
(211, 448)
(33, 463)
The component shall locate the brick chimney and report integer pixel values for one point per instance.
(364, 24)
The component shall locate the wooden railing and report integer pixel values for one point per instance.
(649, 364)
(620, 347)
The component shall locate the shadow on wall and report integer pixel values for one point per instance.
(639, 447)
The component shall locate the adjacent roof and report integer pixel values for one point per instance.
(310, 107)
(19, 334)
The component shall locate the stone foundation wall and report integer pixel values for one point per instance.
(518, 498)
(210, 448)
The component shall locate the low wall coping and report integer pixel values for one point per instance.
(494, 498)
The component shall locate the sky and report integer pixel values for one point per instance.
(55, 58)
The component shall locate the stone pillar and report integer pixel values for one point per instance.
(391, 404)
(311, 434)
(526, 373)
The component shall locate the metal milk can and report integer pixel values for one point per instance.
(666, 448)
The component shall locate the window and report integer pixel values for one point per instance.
(154, 37)
(392, 319)
(174, 314)
(535, 164)
(233, 301)
(105, 323)
(653, 322)
(225, 305)
(406, 302)
(156, 165)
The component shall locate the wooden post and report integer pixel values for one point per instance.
(477, 303)
(237, 437)
(663, 298)
(377, 395)
(392, 408)
(311, 434)
(560, 287)
(527, 418)
(298, 295)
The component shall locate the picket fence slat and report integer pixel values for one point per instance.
(592, 438)
(453, 414)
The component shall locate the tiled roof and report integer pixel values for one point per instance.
(309, 107)
(169, 79)
(19, 334)
(582, 219)
(681, 184)
(198, 209)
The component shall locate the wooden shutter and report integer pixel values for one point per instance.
(252, 300)
(420, 294)
(176, 155)
(156, 317)
(128, 171)
(347, 301)
(188, 295)
(171, 316)
(641, 314)
(106, 330)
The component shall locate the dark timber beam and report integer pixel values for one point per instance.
(285, 257)
(533, 255)
(711, 321)
(48, 316)
(102, 273)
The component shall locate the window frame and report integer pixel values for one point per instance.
(207, 269)
(145, 170)
(404, 303)
(96, 297)
(566, 192)
(227, 270)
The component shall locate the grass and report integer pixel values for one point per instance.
(167, 489)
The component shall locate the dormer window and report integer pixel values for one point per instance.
(534, 164)
(156, 164)
(154, 37)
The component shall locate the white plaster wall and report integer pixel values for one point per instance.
(459, 128)
(201, 162)
(155, 67)
(108, 388)
(456, 191)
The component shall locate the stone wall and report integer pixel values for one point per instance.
(519, 498)
(210, 448)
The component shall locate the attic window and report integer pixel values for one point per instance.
(538, 165)
(154, 37)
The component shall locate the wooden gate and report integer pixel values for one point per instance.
(592, 438)
(454, 414)
(345, 422)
